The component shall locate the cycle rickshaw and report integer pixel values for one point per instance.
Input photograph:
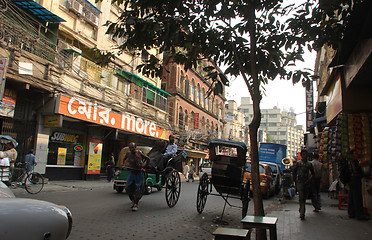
(228, 160)
(168, 178)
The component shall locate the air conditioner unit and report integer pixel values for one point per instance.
(87, 15)
(94, 19)
(75, 6)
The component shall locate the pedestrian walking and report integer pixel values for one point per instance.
(186, 172)
(135, 160)
(302, 174)
(191, 171)
(110, 165)
(315, 182)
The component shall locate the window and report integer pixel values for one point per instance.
(273, 115)
(186, 119)
(187, 88)
(182, 80)
(272, 124)
(152, 97)
(180, 118)
(203, 98)
(148, 96)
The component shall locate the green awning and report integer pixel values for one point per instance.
(141, 82)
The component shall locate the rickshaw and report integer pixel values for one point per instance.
(168, 178)
(228, 159)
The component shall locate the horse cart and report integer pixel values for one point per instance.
(228, 160)
(168, 178)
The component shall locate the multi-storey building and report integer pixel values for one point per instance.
(61, 98)
(195, 116)
(280, 126)
(234, 128)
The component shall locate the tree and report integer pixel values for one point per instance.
(247, 37)
(228, 33)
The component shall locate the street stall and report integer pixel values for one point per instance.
(349, 138)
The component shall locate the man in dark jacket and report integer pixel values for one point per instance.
(302, 174)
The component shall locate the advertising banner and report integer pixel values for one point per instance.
(196, 120)
(272, 152)
(61, 158)
(309, 107)
(7, 105)
(92, 112)
(95, 156)
(3, 66)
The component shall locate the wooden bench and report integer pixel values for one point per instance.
(231, 234)
(260, 222)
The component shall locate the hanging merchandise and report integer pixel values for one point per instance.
(366, 139)
(344, 134)
(323, 146)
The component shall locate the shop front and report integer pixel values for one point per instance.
(347, 135)
(82, 134)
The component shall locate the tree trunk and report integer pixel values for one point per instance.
(255, 124)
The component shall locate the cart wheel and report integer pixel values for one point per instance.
(202, 193)
(245, 200)
(172, 188)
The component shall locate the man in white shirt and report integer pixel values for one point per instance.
(171, 149)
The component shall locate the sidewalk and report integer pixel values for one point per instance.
(330, 223)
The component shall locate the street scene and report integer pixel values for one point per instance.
(187, 119)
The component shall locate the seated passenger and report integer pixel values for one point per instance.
(156, 156)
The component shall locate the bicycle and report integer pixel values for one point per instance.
(33, 182)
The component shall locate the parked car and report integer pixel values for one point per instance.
(277, 174)
(22, 218)
(121, 175)
(205, 168)
(266, 179)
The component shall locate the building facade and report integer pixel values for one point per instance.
(61, 100)
(235, 128)
(195, 116)
(280, 126)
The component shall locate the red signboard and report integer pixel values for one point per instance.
(196, 120)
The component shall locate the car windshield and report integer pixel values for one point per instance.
(248, 168)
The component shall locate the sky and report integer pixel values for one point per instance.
(280, 93)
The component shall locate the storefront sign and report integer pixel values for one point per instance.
(64, 137)
(3, 66)
(7, 105)
(52, 121)
(309, 107)
(61, 158)
(78, 148)
(334, 100)
(95, 155)
(87, 111)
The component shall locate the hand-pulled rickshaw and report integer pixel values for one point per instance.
(167, 178)
(228, 159)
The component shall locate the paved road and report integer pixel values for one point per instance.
(101, 213)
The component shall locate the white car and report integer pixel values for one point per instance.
(205, 168)
(22, 218)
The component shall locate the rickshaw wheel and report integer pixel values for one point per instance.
(202, 193)
(172, 188)
(245, 199)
